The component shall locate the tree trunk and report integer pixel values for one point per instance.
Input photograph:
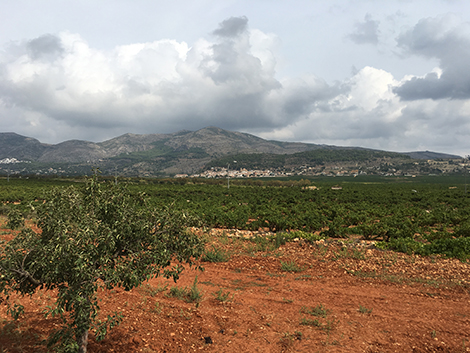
(82, 342)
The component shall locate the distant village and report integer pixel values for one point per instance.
(338, 169)
(11, 161)
(425, 167)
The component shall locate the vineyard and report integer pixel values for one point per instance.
(413, 215)
(340, 265)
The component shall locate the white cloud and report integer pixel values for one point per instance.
(370, 115)
(156, 87)
(57, 87)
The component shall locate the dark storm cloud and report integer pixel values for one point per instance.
(444, 39)
(232, 27)
(366, 32)
(46, 45)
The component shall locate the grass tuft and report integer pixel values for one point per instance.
(215, 255)
(290, 266)
(190, 295)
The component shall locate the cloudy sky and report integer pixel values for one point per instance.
(392, 74)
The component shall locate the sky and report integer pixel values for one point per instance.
(384, 74)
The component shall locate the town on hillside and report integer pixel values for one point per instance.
(415, 168)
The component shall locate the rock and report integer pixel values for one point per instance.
(135, 340)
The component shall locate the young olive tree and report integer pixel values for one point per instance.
(99, 236)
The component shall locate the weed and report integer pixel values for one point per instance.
(177, 292)
(287, 339)
(224, 238)
(319, 310)
(330, 325)
(195, 294)
(191, 295)
(364, 310)
(333, 343)
(156, 308)
(327, 326)
(288, 301)
(433, 333)
(263, 244)
(208, 283)
(309, 322)
(290, 266)
(302, 277)
(187, 317)
(221, 296)
(147, 289)
(348, 253)
(320, 251)
(322, 322)
(215, 255)
(275, 274)
(279, 240)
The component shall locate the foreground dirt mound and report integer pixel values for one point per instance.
(297, 298)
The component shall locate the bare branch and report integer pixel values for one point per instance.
(26, 275)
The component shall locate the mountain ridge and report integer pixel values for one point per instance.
(159, 154)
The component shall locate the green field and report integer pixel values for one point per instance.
(424, 215)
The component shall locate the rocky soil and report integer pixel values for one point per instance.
(300, 297)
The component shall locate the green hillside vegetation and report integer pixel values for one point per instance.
(311, 158)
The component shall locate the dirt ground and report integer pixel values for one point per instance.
(301, 297)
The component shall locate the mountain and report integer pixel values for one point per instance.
(431, 155)
(161, 154)
(20, 147)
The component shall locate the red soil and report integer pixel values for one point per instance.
(373, 301)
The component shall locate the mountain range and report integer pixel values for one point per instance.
(152, 154)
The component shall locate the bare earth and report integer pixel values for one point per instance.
(343, 298)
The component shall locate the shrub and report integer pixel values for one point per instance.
(97, 236)
(451, 247)
(15, 219)
(405, 245)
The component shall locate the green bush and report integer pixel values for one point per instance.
(451, 247)
(98, 236)
(15, 219)
(463, 230)
(405, 245)
(283, 237)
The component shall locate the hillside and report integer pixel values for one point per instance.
(308, 158)
(20, 147)
(183, 152)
